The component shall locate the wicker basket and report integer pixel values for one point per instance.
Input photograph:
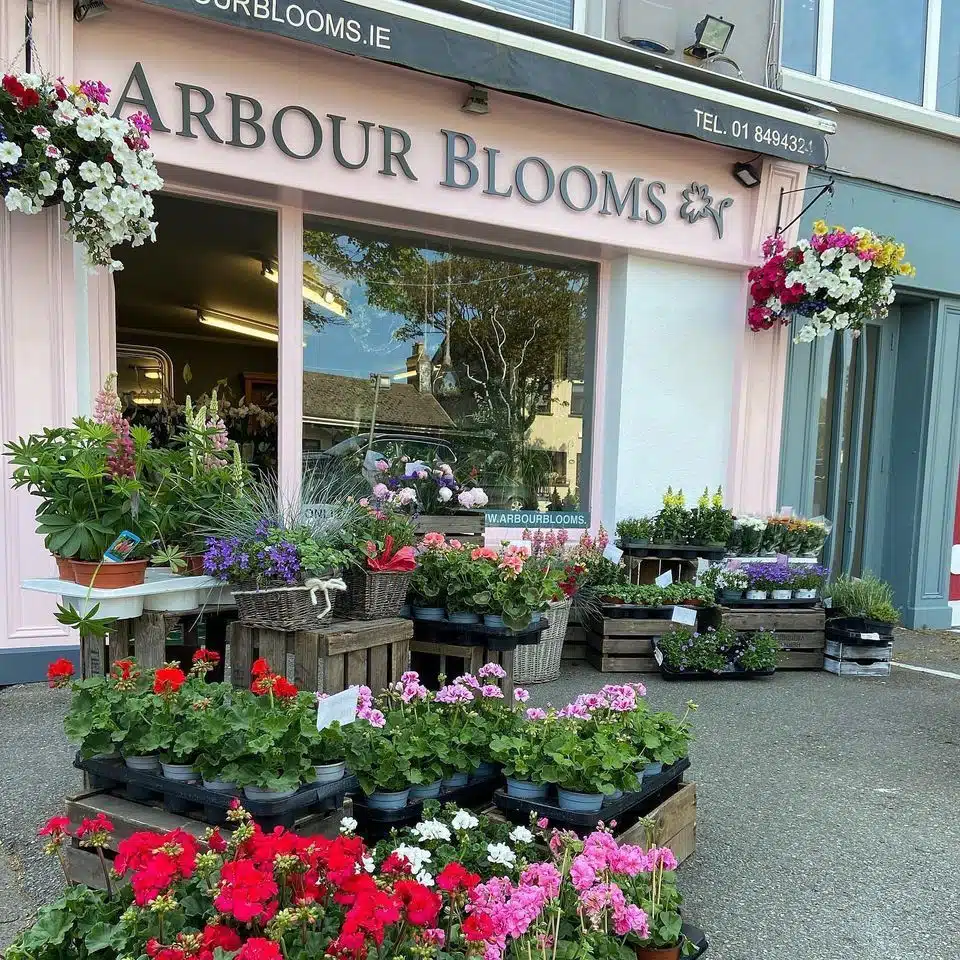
(280, 606)
(540, 662)
(376, 594)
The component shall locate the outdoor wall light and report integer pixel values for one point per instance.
(711, 36)
(478, 101)
(87, 9)
(747, 173)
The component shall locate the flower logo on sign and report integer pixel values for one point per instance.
(698, 203)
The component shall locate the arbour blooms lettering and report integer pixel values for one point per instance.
(306, 17)
(239, 120)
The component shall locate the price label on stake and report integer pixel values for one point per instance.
(665, 579)
(340, 708)
(685, 615)
(612, 553)
(658, 656)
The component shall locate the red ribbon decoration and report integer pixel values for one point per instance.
(401, 561)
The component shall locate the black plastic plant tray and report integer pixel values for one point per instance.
(211, 806)
(860, 625)
(669, 674)
(519, 810)
(637, 611)
(671, 551)
(854, 638)
(772, 604)
(477, 634)
(698, 938)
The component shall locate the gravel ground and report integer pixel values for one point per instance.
(827, 810)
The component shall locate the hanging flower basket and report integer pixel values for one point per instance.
(837, 280)
(59, 144)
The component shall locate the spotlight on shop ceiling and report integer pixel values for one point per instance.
(747, 173)
(478, 101)
(242, 325)
(711, 36)
(314, 291)
(88, 9)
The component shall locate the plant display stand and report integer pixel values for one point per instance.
(467, 527)
(575, 641)
(129, 817)
(858, 653)
(647, 561)
(431, 660)
(344, 654)
(623, 642)
(799, 630)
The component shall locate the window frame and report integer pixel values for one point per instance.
(819, 82)
(578, 14)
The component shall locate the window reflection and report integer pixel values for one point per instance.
(800, 34)
(948, 78)
(448, 352)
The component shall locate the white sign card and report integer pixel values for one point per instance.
(685, 615)
(870, 636)
(340, 708)
(665, 579)
(613, 553)
(413, 467)
(702, 566)
(658, 656)
(786, 511)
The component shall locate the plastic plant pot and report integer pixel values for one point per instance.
(756, 594)
(428, 613)
(389, 799)
(219, 786)
(455, 781)
(259, 793)
(653, 770)
(184, 772)
(329, 772)
(463, 616)
(143, 764)
(782, 594)
(426, 791)
(109, 576)
(525, 790)
(577, 802)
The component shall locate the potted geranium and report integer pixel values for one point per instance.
(326, 748)
(60, 144)
(428, 585)
(469, 580)
(521, 754)
(519, 589)
(380, 758)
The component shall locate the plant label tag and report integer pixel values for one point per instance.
(870, 636)
(828, 602)
(734, 564)
(121, 548)
(687, 615)
(786, 511)
(340, 708)
(783, 558)
(702, 566)
(613, 553)
(658, 656)
(665, 579)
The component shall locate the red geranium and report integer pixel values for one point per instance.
(157, 861)
(477, 927)
(455, 877)
(395, 864)
(422, 905)
(259, 948)
(216, 935)
(259, 668)
(284, 689)
(203, 655)
(94, 832)
(56, 827)
(60, 671)
(246, 892)
(168, 680)
(216, 842)
(13, 86)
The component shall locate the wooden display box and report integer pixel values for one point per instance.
(800, 632)
(432, 660)
(129, 818)
(466, 527)
(623, 645)
(858, 659)
(343, 654)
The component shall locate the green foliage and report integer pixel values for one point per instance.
(650, 595)
(468, 583)
(758, 651)
(867, 596)
(634, 528)
(709, 523)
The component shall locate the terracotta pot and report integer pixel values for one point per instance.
(64, 568)
(654, 953)
(109, 576)
(195, 565)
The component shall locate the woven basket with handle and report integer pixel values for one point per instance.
(280, 606)
(540, 662)
(376, 594)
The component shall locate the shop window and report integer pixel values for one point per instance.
(576, 400)
(447, 352)
(197, 312)
(557, 12)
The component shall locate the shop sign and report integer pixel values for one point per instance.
(502, 65)
(298, 132)
(535, 518)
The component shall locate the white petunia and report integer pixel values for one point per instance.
(112, 213)
(89, 171)
(88, 127)
(368, 864)
(65, 114)
(10, 152)
(94, 199)
(31, 81)
(500, 853)
(48, 186)
(432, 830)
(114, 128)
(69, 194)
(521, 835)
(464, 821)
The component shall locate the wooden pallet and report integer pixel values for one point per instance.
(858, 660)
(623, 645)
(128, 818)
(343, 654)
(800, 632)
(451, 660)
(672, 823)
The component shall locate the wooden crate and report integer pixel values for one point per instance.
(575, 639)
(450, 660)
(622, 645)
(145, 637)
(343, 654)
(466, 527)
(645, 570)
(858, 659)
(129, 818)
(799, 630)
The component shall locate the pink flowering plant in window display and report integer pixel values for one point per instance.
(59, 144)
(837, 280)
(429, 488)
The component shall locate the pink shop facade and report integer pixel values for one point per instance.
(276, 148)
